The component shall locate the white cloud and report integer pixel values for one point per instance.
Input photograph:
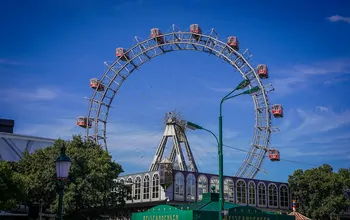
(336, 18)
(321, 120)
(296, 77)
(287, 85)
(320, 133)
(135, 159)
(334, 81)
(322, 108)
(329, 139)
(323, 67)
(61, 128)
(299, 75)
(36, 94)
(136, 145)
(327, 154)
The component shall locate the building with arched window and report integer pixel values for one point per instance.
(189, 187)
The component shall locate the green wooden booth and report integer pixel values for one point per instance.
(207, 209)
(167, 212)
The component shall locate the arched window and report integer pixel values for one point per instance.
(251, 193)
(117, 186)
(179, 186)
(190, 187)
(284, 196)
(202, 186)
(115, 183)
(273, 195)
(241, 193)
(229, 190)
(214, 181)
(130, 184)
(146, 187)
(155, 186)
(261, 194)
(129, 180)
(137, 188)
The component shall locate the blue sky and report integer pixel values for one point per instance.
(50, 49)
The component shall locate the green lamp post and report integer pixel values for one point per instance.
(63, 163)
(219, 140)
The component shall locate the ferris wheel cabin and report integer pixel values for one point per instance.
(84, 122)
(233, 42)
(121, 53)
(196, 31)
(95, 84)
(262, 71)
(274, 155)
(277, 111)
(157, 35)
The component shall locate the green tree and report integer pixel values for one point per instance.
(91, 179)
(320, 191)
(11, 187)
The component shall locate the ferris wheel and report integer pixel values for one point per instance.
(160, 43)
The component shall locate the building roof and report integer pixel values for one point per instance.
(299, 216)
(12, 146)
(25, 137)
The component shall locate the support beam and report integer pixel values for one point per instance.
(174, 130)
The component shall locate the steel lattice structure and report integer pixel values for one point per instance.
(176, 40)
(175, 129)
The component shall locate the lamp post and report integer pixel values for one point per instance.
(193, 126)
(63, 163)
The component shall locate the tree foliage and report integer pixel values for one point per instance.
(91, 178)
(11, 187)
(320, 191)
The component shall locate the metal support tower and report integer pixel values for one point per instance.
(175, 129)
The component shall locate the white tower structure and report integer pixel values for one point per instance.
(175, 130)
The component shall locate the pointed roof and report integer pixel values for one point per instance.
(299, 216)
(166, 160)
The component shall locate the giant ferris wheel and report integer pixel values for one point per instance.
(129, 60)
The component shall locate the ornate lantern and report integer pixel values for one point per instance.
(63, 163)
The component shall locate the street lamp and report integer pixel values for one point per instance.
(242, 85)
(194, 126)
(63, 163)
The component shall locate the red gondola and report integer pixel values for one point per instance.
(277, 111)
(121, 53)
(156, 34)
(83, 122)
(196, 31)
(274, 155)
(263, 71)
(95, 84)
(233, 42)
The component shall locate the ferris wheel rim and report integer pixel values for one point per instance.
(254, 158)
